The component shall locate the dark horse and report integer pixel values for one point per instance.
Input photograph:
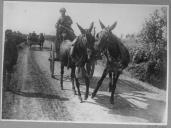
(75, 54)
(116, 54)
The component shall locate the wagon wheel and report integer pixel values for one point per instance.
(52, 61)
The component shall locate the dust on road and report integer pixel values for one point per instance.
(39, 97)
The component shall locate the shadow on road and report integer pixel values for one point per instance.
(151, 110)
(39, 95)
(105, 87)
(131, 100)
(66, 78)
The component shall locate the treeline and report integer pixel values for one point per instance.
(149, 57)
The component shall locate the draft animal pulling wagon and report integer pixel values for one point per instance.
(34, 39)
(55, 50)
(77, 52)
(63, 32)
(84, 46)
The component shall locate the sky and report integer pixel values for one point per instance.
(30, 16)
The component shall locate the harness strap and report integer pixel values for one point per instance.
(77, 60)
(113, 62)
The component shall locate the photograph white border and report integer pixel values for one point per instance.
(87, 122)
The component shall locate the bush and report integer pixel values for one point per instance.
(140, 55)
(138, 71)
(149, 62)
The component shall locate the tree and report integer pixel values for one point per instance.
(153, 53)
(154, 32)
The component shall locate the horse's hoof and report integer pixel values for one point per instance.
(75, 93)
(52, 76)
(111, 101)
(62, 88)
(93, 95)
(80, 98)
(86, 97)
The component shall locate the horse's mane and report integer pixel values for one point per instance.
(115, 38)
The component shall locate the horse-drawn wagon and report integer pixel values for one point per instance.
(34, 39)
(117, 57)
(55, 52)
(75, 52)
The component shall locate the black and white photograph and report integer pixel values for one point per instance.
(101, 63)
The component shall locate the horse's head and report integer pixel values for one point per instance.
(103, 36)
(89, 39)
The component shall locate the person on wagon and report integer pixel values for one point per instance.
(63, 25)
(63, 29)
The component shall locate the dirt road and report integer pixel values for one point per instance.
(37, 96)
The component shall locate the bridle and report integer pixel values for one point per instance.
(104, 50)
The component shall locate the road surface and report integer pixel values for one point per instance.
(36, 96)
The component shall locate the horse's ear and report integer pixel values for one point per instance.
(91, 27)
(81, 29)
(97, 36)
(101, 24)
(113, 26)
(94, 32)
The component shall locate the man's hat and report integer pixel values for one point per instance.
(62, 10)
